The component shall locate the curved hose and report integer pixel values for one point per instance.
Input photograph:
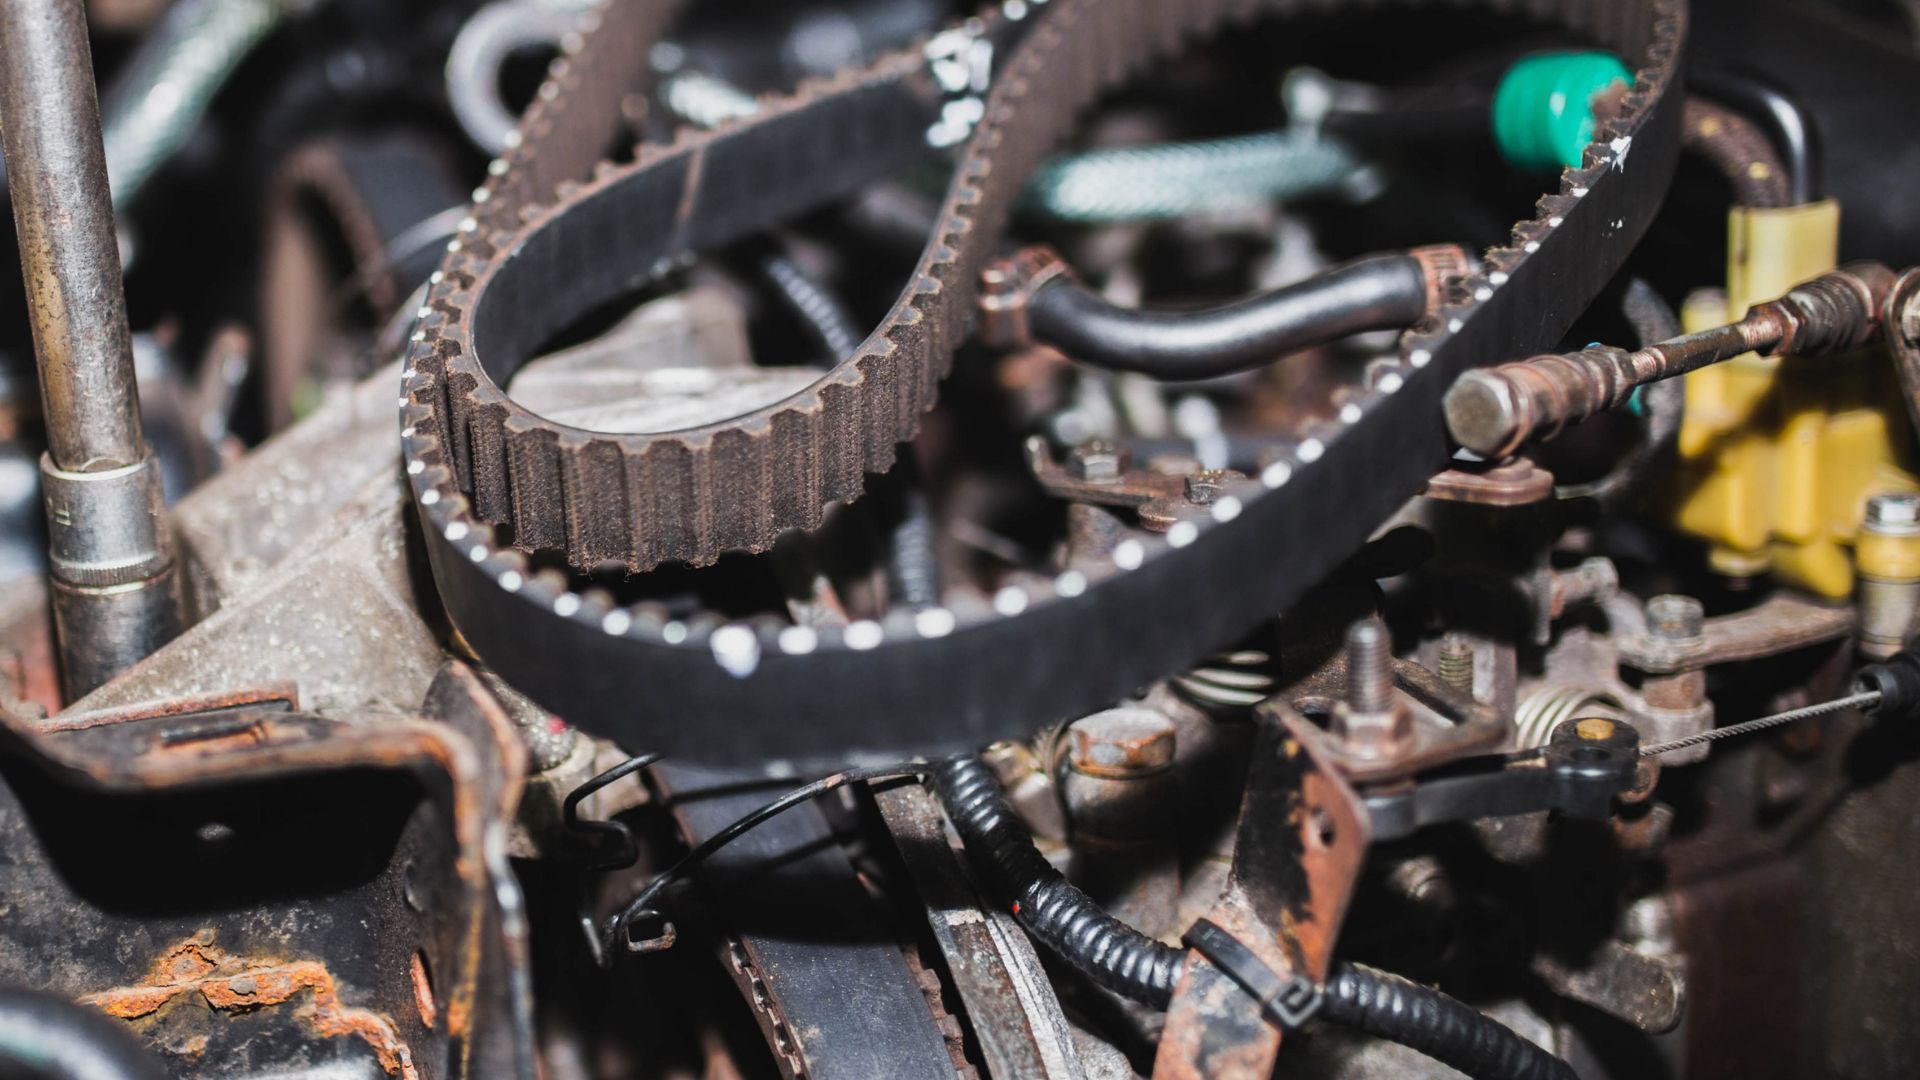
(1439, 1026)
(43, 1037)
(1133, 965)
(1739, 150)
(1787, 123)
(1381, 292)
(1106, 950)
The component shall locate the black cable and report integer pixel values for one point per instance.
(913, 555)
(1106, 950)
(1664, 404)
(1133, 965)
(640, 907)
(43, 1037)
(623, 851)
(1439, 1026)
(826, 320)
(1787, 124)
(1381, 292)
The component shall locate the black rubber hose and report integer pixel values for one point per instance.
(1787, 122)
(1381, 292)
(1435, 1024)
(1133, 965)
(43, 1037)
(1066, 920)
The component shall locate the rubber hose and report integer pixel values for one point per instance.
(1790, 127)
(1435, 1024)
(1066, 920)
(1381, 292)
(1135, 966)
(43, 1037)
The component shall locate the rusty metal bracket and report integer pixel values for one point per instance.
(1303, 837)
(1779, 624)
(248, 884)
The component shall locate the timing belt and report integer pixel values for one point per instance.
(552, 236)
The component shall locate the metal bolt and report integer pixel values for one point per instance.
(1672, 617)
(1204, 487)
(1372, 722)
(1369, 667)
(1456, 662)
(1097, 462)
(1121, 744)
(1483, 413)
(1894, 514)
(1910, 318)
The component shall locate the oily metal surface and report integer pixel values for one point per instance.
(493, 481)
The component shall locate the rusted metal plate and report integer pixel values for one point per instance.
(1302, 840)
(254, 891)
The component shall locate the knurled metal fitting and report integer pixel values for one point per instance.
(1495, 411)
(1444, 267)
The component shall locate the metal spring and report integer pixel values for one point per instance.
(1234, 680)
(1544, 710)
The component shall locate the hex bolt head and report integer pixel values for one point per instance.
(1204, 487)
(1894, 514)
(1121, 744)
(1097, 462)
(1482, 413)
(1672, 617)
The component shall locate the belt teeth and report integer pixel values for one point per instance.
(643, 500)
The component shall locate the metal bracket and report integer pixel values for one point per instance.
(1578, 773)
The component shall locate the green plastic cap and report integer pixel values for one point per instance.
(1543, 111)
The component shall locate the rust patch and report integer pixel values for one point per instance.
(423, 989)
(197, 967)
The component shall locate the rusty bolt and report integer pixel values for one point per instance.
(1672, 617)
(1204, 487)
(1121, 744)
(1456, 662)
(1098, 462)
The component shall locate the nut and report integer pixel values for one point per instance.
(1204, 487)
(1121, 743)
(1672, 617)
(1098, 462)
(1894, 514)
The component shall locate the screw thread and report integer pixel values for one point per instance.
(1369, 667)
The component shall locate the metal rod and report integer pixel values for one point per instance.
(57, 169)
(110, 553)
(1866, 700)
(1496, 411)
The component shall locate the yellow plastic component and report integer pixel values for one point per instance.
(1888, 558)
(1777, 456)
